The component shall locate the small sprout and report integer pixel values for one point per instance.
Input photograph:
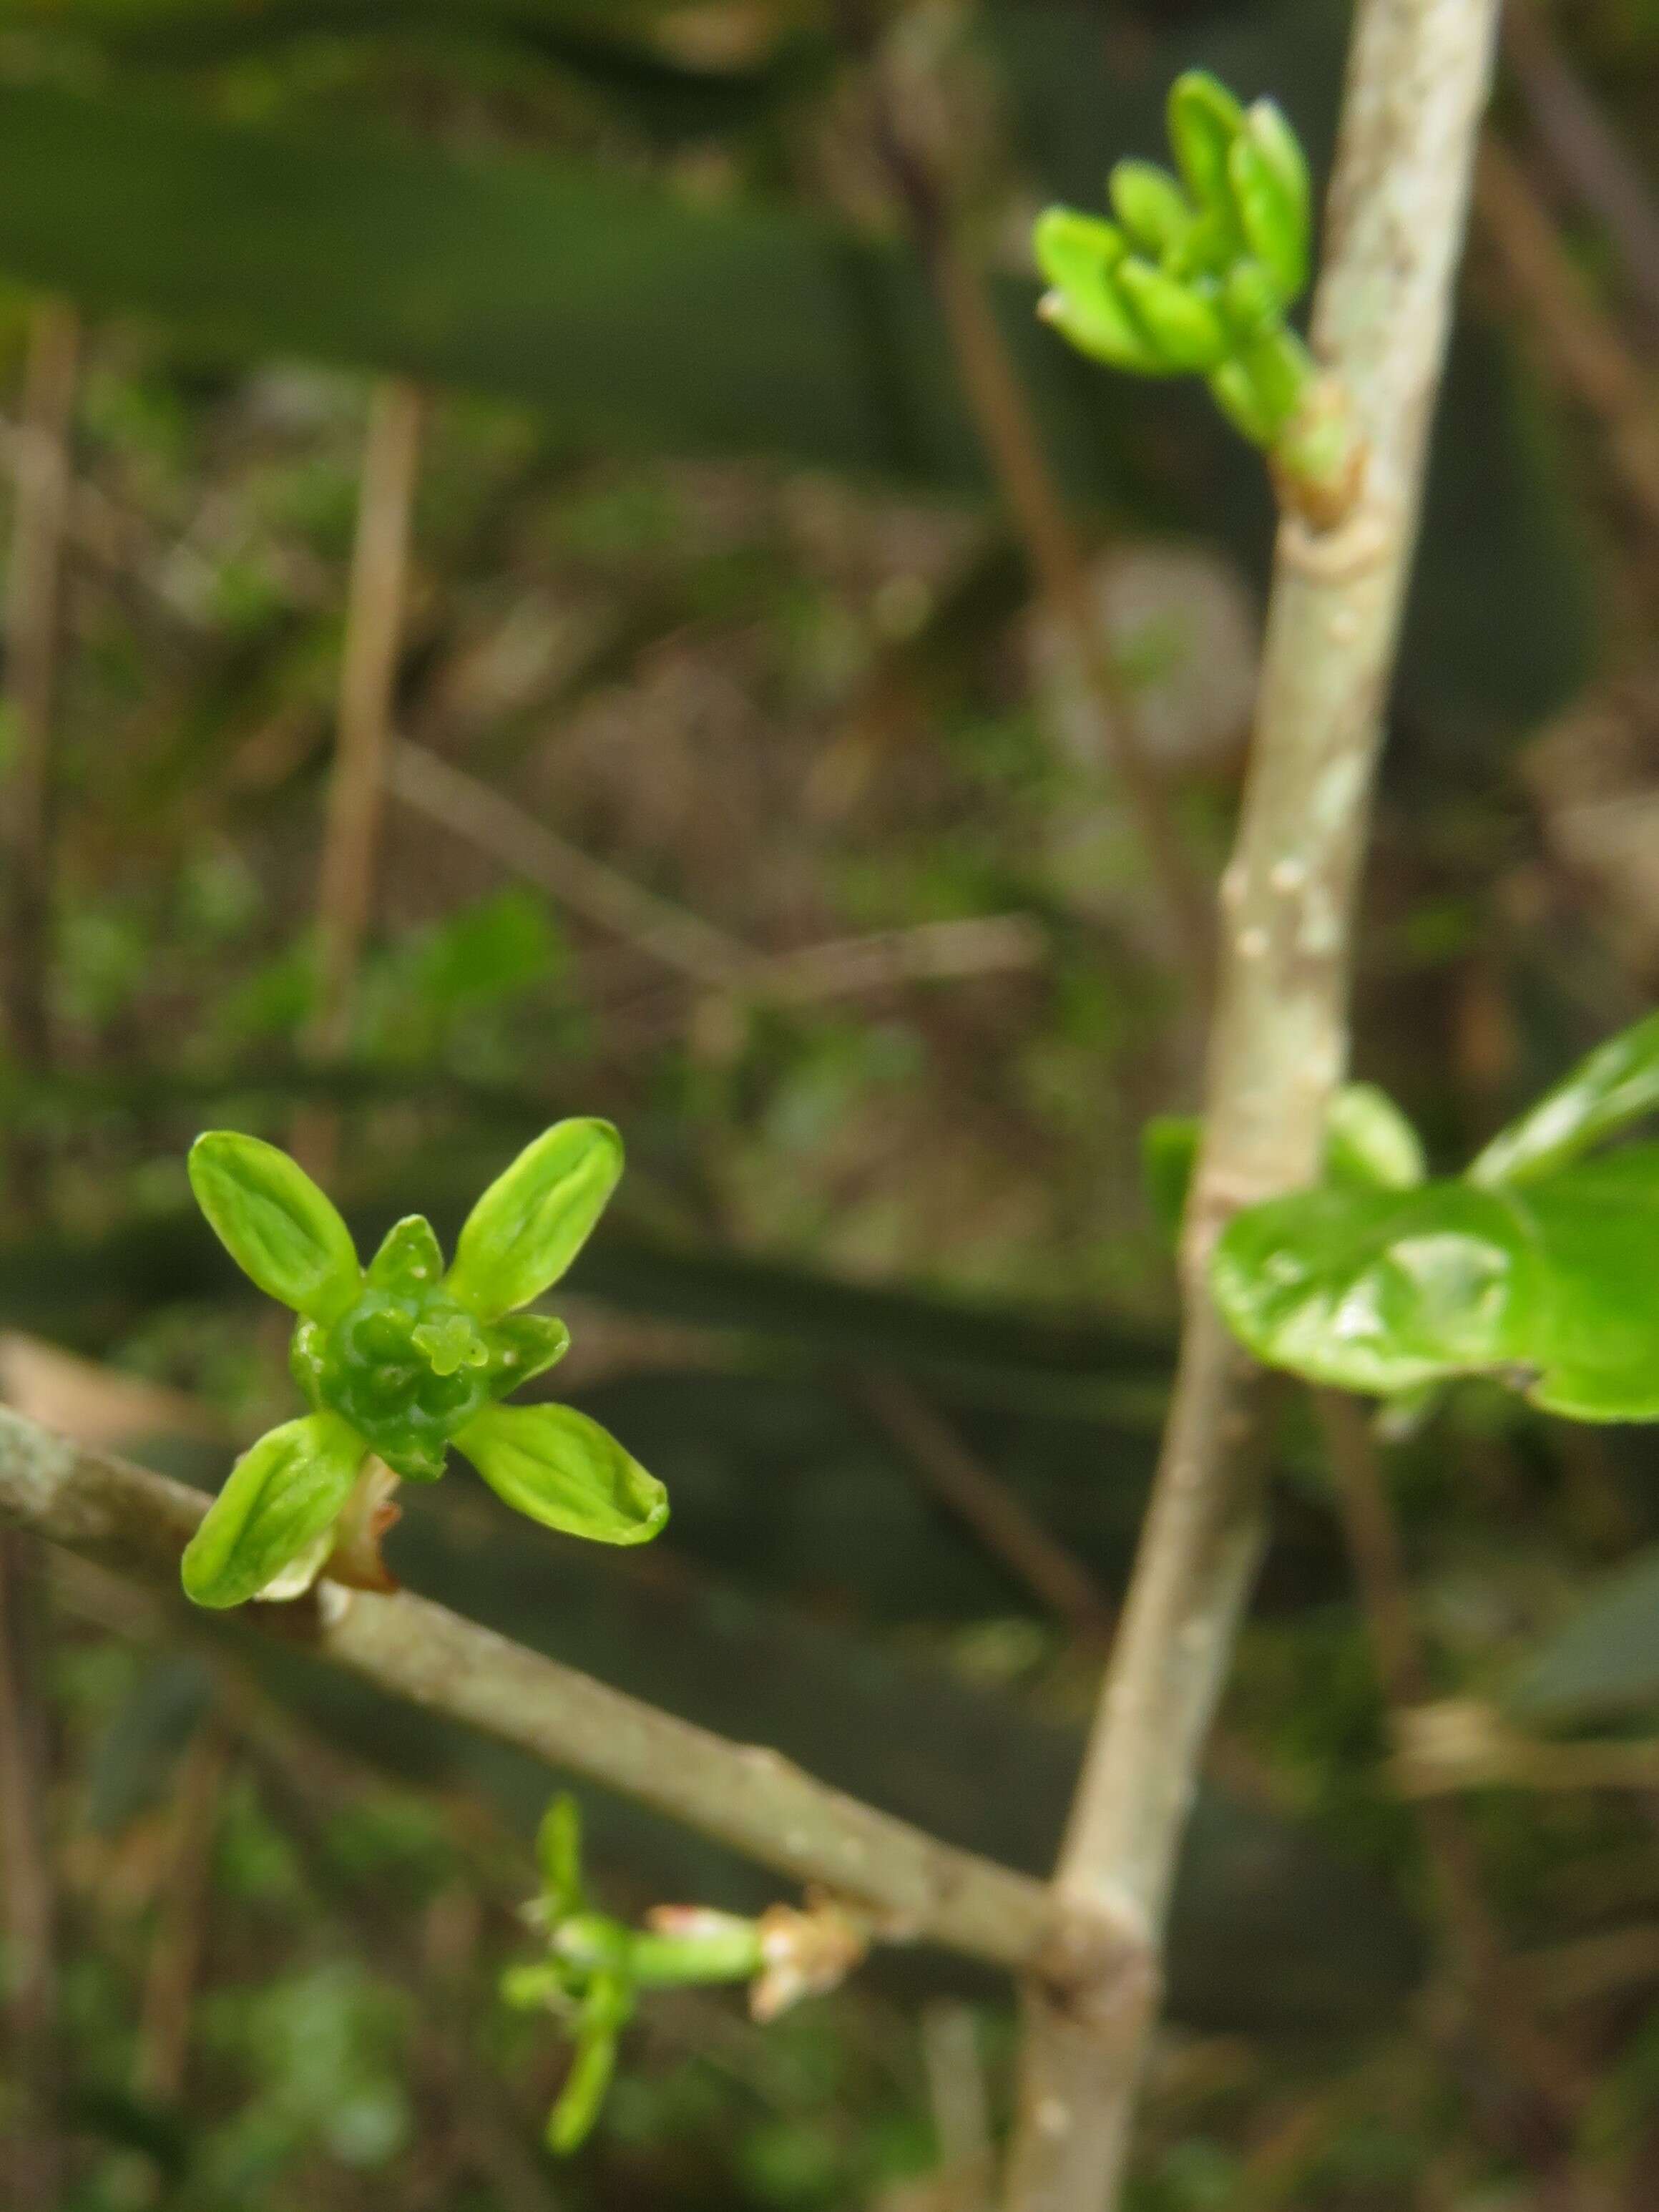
(596, 1968)
(1196, 278)
(399, 1360)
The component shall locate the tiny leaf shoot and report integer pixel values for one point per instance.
(1196, 277)
(402, 1360)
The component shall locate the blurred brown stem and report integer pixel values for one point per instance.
(1543, 2071)
(1006, 425)
(357, 784)
(1584, 147)
(181, 1939)
(1013, 1535)
(34, 638)
(1584, 348)
(30, 2149)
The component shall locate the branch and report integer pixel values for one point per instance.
(137, 1523)
(34, 636)
(1416, 86)
(1584, 348)
(356, 790)
(1586, 150)
(841, 967)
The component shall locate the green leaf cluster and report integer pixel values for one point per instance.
(1195, 275)
(596, 1968)
(1537, 1267)
(402, 1358)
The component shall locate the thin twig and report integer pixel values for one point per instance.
(30, 2149)
(1416, 85)
(1477, 1947)
(137, 1523)
(357, 792)
(1584, 349)
(33, 629)
(181, 1938)
(1587, 152)
(1006, 424)
(707, 956)
(673, 934)
(1010, 1533)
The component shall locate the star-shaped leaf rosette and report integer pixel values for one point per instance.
(400, 1359)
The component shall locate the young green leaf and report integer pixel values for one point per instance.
(278, 1227)
(1379, 1290)
(1076, 253)
(1616, 1085)
(559, 1855)
(1168, 1153)
(409, 1259)
(1551, 1286)
(555, 1465)
(1150, 206)
(534, 1218)
(1205, 119)
(283, 1495)
(1183, 326)
(1369, 1140)
(608, 2005)
(1269, 182)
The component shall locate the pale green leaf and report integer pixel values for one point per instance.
(1615, 1087)
(283, 1495)
(555, 1465)
(284, 1233)
(534, 1218)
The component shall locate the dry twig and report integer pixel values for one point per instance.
(356, 793)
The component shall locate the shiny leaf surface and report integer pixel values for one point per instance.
(555, 1465)
(282, 1496)
(534, 1218)
(284, 1233)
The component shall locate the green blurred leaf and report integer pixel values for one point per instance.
(1168, 1153)
(1369, 1140)
(557, 1466)
(559, 1855)
(1616, 1085)
(534, 1218)
(284, 1233)
(1605, 1659)
(283, 1495)
(1552, 1287)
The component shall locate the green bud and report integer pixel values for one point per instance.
(1203, 120)
(1076, 253)
(559, 1855)
(1272, 215)
(1182, 326)
(1150, 205)
(1250, 300)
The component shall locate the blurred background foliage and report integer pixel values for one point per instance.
(713, 587)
